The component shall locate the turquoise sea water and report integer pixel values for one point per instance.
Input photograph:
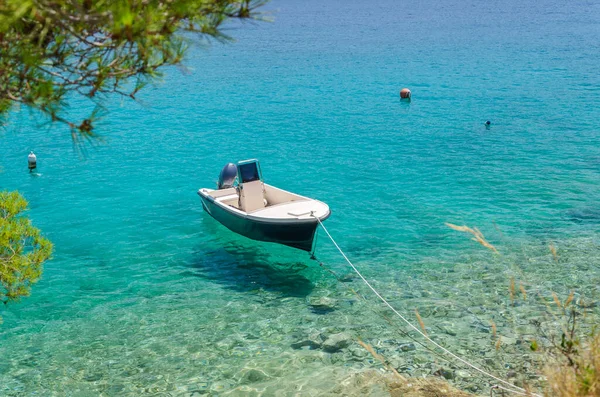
(147, 295)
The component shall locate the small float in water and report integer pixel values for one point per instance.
(246, 205)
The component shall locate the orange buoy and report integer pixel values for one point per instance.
(405, 93)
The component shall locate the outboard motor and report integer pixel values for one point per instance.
(228, 176)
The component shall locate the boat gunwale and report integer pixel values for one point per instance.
(205, 194)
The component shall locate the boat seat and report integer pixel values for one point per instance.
(228, 197)
(252, 196)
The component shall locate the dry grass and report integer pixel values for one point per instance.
(580, 379)
(421, 323)
(573, 365)
(553, 250)
(569, 299)
(498, 343)
(522, 289)
(428, 387)
(382, 359)
(413, 387)
(556, 300)
(477, 235)
(572, 361)
(511, 290)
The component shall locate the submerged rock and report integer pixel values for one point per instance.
(336, 342)
(407, 347)
(311, 344)
(585, 303)
(448, 328)
(481, 327)
(94, 377)
(253, 376)
(322, 303)
(508, 340)
(312, 341)
(445, 373)
(585, 214)
(359, 353)
(348, 277)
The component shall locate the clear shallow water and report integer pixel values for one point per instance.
(146, 294)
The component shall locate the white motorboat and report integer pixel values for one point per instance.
(246, 205)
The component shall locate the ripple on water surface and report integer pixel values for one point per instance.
(146, 295)
(193, 328)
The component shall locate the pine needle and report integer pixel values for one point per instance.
(498, 343)
(493, 329)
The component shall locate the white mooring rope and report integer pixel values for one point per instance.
(514, 389)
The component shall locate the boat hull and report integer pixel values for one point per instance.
(293, 234)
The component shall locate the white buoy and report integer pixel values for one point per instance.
(32, 161)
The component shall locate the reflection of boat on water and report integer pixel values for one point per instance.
(246, 205)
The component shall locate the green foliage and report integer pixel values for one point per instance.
(22, 249)
(534, 345)
(53, 49)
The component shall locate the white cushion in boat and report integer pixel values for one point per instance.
(228, 197)
(300, 209)
(252, 196)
